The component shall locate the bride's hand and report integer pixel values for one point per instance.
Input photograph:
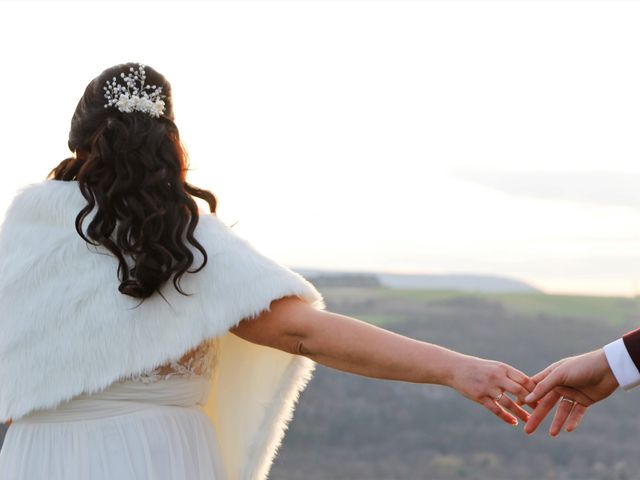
(488, 382)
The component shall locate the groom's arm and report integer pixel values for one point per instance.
(623, 356)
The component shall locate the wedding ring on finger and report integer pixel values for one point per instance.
(572, 403)
(499, 397)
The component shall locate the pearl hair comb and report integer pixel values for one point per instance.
(129, 97)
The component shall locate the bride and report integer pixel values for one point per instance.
(120, 361)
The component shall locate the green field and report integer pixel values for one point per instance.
(613, 310)
(616, 310)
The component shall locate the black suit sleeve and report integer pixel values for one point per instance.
(632, 343)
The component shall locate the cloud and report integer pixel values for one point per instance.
(601, 188)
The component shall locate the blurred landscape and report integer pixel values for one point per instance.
(351, 427)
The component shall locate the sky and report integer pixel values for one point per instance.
(485, 137)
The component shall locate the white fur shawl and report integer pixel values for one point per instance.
(65, 329)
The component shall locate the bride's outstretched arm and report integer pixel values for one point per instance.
(354, 346)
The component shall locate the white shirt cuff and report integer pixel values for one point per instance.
(621, 364)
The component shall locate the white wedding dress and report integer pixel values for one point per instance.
(147, 427)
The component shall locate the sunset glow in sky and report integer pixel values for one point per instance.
(404, 136)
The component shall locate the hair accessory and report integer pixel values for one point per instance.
(129, 97)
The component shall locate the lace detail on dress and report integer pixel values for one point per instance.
(200, 360)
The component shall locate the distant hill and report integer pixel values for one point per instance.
(345, 280)
(351, 427)
(456, 282)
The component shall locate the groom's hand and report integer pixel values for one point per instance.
(576, 383)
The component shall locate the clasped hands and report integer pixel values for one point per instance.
(572, 384)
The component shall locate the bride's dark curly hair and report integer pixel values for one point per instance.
(132, 167)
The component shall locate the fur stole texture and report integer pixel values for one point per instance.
(67, 330)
